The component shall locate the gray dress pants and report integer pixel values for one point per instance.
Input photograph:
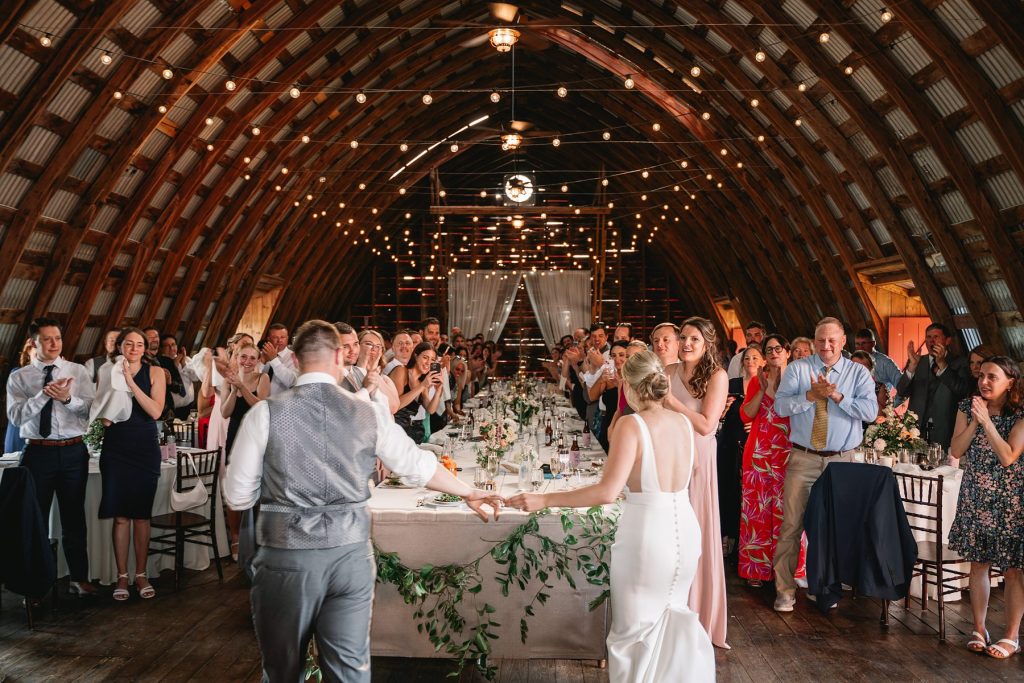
(326, 593)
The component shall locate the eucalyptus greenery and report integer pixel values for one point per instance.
(529, 560)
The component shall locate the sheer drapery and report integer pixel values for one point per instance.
(560, 300)
(479, 303)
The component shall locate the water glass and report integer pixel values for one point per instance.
(903, 455)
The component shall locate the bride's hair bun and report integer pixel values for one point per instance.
(645, 374)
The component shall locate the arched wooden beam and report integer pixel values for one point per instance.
(870, 123)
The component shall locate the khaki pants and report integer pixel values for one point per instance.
(802, 471)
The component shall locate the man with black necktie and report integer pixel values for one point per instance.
(50, 400)
(934, 383)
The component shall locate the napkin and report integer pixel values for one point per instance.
(432, 447)
(113, 397)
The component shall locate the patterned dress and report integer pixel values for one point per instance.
(764, 472)
(989, 522)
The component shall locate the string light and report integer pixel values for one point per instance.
(556, 142)
(230, 85)
(562, 91)
(46, 40)
(428, 99)
(454, 148)
(684, 163)
(106, 59)
(255, 130)
(798, 122)
(354, 144)
(294, 92)
(629, 83)
(162, 109)
(848, 71)
(361, 97)
(495, 97)
(886, 15)
(167, 74)
(706, 116)
(209, 122)
(118, 95)
(760, 56)
(403, 147)
(606, 135)
(755, 102)
(802, 87)
(823, 37)
(695, 71)
(656, 127)
(305, 139)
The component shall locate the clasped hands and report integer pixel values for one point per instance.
(59, 389)
(821, 388)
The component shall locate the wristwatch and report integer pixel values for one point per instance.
(67, 402)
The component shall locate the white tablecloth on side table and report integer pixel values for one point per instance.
(98, 531)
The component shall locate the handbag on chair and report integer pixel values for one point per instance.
(194, 497)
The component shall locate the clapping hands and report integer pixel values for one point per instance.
(979, 412)
(59, 389)
(820, 388)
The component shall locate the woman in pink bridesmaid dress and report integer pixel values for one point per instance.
(699, 389)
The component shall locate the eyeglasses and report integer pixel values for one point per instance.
(774, 349)
(371, 345)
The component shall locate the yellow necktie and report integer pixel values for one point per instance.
(819, 429)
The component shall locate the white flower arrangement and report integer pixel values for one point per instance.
(893, 432)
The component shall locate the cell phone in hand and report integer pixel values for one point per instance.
(435, 367)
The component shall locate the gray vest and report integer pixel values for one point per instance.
(321, 452)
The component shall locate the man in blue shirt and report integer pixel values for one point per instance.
(827, 398)
(885, 368)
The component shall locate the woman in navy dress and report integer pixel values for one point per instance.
(130, 462)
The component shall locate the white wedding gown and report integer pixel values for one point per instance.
(655, 637)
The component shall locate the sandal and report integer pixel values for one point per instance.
(754, 583)
(145, 592)
(1003, 653)
(121, 594)
(979, 643)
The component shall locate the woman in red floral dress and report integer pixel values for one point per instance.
(764, 468)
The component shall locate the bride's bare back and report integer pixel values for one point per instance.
(670, 437)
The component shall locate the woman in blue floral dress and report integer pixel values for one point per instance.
(989, 525)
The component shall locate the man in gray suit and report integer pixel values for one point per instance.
(306, 456)
(934, 381)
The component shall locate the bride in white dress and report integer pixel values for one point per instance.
(655, 637)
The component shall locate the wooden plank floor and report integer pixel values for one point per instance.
(204, 633)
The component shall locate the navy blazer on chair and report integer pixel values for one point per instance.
(857, 534)
(27, 565)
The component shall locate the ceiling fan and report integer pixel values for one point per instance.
(510, 31)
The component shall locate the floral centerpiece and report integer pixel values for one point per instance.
(93, 438)
(524, 407)
(499, 435)
(893, 432)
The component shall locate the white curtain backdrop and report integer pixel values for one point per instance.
(480, 303)
(560, 300)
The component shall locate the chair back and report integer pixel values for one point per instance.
(185, 433)
(207, 470)
(925, 495)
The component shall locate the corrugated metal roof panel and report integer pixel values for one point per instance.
(927, 162)
(180, 111)
(835, 111)
(61, 205)
(858, 196)
(41, 241)
(832, 207)
(800, 12)
(955, 207)
(140, 17)
(104, 218)
(214, 15)
(184, 163)
(16, 293)
(836, 48)
(8, 334)
(38, 146)
(147, 83)
(102, 303)
(869, 12)
(913, 219)
(889, 182)
(16, 70)
(1018, 109)
(198, 242)
(115, 124)
(869, 86)
(140, 229)
(87, 341)
(780, 99)
(909, 55)
(69, 101)
(999, 295)
(129, 181)
(47, 16)
(976, 142)
(900, 124)
(135, 307)
(303, 41)
(213, 78)
(88, 166)
(960, 18)
(945, 97)
(171, 238)
(749, 68)
(123, 260)
(863, 144)
(63, 299)
(241, 97)
(833, 161)
(333, 16)
(1000, 66)
(155, 145)
(880, 231)
(955, 300)
(215, 214)
(851, 237)
(1006, 189)
(234, 187)
(86, 252)
(267, 73)
(808, 131)
(741, 15)
(1014, 339)
(189, 307)
(718, 42)
(176, 52)
(163, 195)
(280, 16)
(165, 306)
(246, 45)
(12, 189)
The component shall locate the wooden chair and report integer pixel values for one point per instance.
(185, 434)
(934, 558)
(190, 527)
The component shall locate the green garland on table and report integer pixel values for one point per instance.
(531, 560)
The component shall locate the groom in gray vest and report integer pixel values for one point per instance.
(306, 455)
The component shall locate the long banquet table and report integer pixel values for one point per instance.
(563, 628)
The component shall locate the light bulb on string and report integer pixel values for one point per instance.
(255, 130)
(695, 71)
(706, 115)
(294, 92)
(354, 144)
(823, 37)
(656, 127)
(162, 109)
(403, 147)
(428, 99)
(46, 40)
(754, 102)
(802, 87)
(106, 59)
(361, 97)
(562, 91)
(495, 97)
(606, 135)
(886, 15)
(629, 83)
(230, 85)
(848, 71)
(556, 142)
(760, 56)
(167, 74)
